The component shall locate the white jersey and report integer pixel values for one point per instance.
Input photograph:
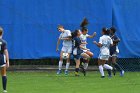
(65, 34)
(83, 38)
(106, 41)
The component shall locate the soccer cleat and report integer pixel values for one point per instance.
(102, 76)
(77, 74)
(66, 72)
(58, 72)
(122, 73)
(110, 76)
(4, 91)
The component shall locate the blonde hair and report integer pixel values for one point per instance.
(60, 26)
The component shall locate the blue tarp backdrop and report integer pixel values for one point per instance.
(30, 25)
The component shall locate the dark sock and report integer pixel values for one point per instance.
(109, 72)
(76, 69)
(117, 66)
(4, 82)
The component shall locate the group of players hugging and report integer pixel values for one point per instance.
(75, 43)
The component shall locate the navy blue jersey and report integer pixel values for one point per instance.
(76, 45)
(113, 48)
(76, 42)
(2, 48)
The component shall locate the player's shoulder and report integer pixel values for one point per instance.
(81, 35)
(3, 41)
(67, 31)
(115, 36)
(102, 37)
(76, 38)
(87, 35)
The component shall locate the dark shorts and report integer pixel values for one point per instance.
(113, 54)
(2, 60)
(78, 54)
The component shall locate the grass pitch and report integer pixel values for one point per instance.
(49, 82)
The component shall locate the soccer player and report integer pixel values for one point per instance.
(114, 51)
(65, 36)
(104, 44)
(83, 38)
(4, 60)
(77, 50)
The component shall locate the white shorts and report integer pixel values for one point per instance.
(103, 57)
(85, 51)
(67, 49)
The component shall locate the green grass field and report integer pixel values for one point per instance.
(49, 82)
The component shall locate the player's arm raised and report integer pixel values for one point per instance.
(92, 36)
(98, 44)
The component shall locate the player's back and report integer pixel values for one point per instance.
(106, 42)
(76, 42)
(2, 46)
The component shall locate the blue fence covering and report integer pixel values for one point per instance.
(30, 25)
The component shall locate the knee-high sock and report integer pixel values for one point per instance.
(67, 66)
(85, 65)
(4, 82)
(117, 66)
(60, 65)
(101, 70)
(77, 70)
(107, 66)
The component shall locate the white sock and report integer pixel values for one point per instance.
(107, 66)
(85, 65)
(60, 65)
(67, 66)
(101, 69)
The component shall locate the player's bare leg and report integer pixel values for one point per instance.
(90, 55)
(86, 57)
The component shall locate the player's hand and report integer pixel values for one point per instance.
(94, 34)
(94, 42)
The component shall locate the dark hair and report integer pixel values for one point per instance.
(84, 29)
(1, 31)
(113, 29)
(108, 31)
(105, 30)
(75, 33)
